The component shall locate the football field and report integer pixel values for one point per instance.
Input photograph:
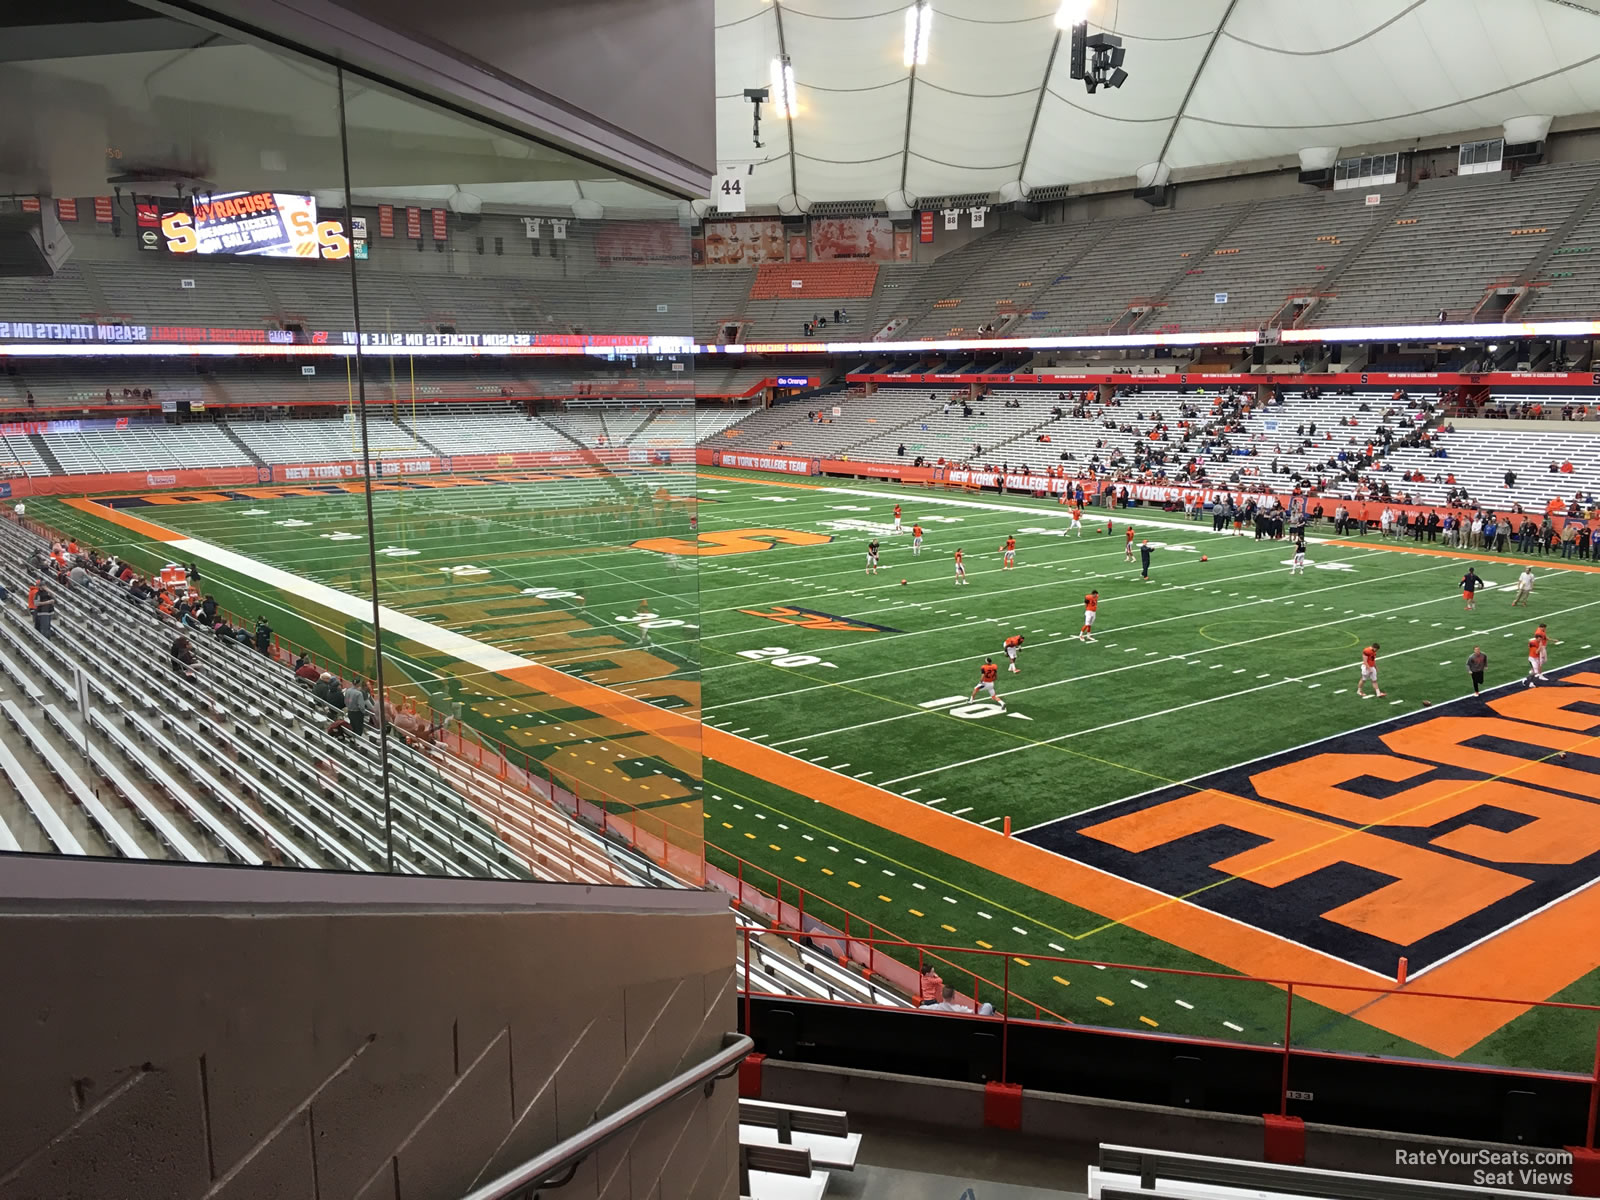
(1199, 789)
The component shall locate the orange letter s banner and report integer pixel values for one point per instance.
(178, 229)
(732, 541)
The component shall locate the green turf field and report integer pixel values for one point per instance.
(795, 647)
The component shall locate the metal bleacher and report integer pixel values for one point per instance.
(235, 764)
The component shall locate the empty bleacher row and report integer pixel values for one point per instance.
(1441, 245)
(490, 428)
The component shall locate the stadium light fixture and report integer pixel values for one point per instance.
(919, 23)
(783, 93)
(1073, 12)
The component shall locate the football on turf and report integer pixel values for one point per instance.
(1203, 558)
(902, 583)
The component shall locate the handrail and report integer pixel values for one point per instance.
(555, 1166)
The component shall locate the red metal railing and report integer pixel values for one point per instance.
(1287, 1051)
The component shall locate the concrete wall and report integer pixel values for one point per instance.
(209, 1038)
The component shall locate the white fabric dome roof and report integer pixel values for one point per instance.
(1211, 82)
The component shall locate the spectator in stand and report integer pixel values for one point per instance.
(43, 605)
(79, 574)
(329, 692)
(263, 638)
(357, 704)
(208, 610)
(946, 1002)
(183, 658)
(930, 987)
(30, 399)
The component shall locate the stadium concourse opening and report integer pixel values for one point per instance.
(1136, 605)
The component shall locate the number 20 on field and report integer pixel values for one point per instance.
(779, 657)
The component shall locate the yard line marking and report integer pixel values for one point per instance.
(958, 812)
(1019, 929)
(1169, 711)
(1183, 1004)
(912, 792)
(1235, 1028)
(968, 658)
(1138, 984)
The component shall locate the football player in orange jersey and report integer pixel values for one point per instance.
(1369, 672)
(1091, 605)
(1009, 550)
(916, 540)
(872, 557)
(1127, 554)
(987, 675)
(961, 568)
(1538, 651)
(897, 518)
(1077, 520)
(1011, 645)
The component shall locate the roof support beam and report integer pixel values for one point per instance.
(788, 111)
(1038, 106)
(1194, 80)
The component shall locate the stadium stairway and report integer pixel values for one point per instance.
(46, 455)
(1328, 283)
(1196, 262)
(244, 447)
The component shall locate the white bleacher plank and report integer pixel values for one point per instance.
(286, 844)
(764, 1185)
(115, 833)
(169, 833)
(55, 829)
(831, 1153)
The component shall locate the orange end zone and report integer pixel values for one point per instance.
(129, 522)
(1542, 955)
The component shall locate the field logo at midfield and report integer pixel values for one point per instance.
(810, 618)
(1415, 838)
(732, 541)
